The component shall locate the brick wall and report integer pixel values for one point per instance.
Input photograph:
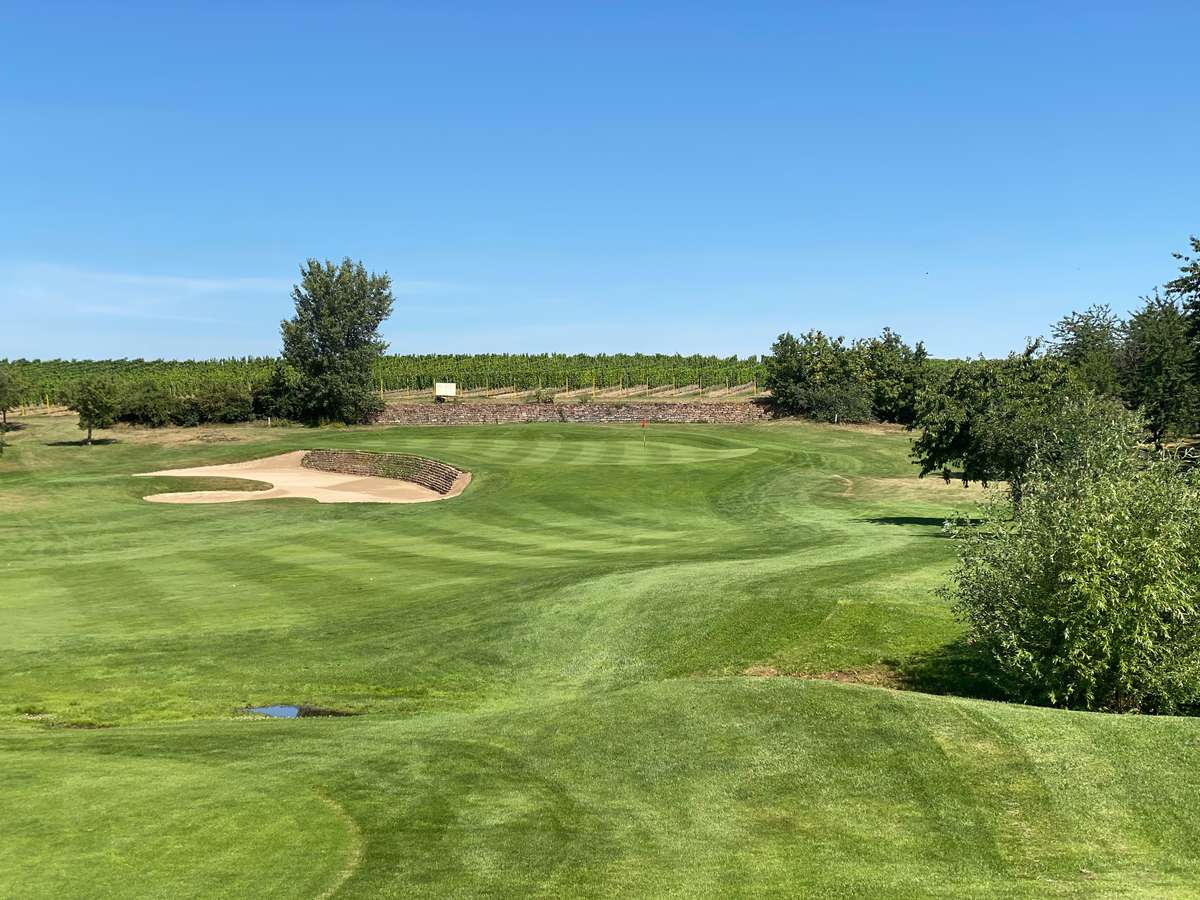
(596, 413)
(430, 473)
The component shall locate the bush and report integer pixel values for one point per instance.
(226, 402)
(1090, 599)
(147, 403)
(845, 402)
(152, 403)
(276, 397)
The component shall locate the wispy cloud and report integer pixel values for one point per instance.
(40, 290)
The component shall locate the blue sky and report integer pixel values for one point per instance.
(691, 177)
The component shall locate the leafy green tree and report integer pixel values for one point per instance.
(817, 376)
(1159, 365)
(12, 388)
(983, 420)
(1090, 343)
(97, 400)
(147, 402)
(894, 372)
(1090, 599)
(333, 340)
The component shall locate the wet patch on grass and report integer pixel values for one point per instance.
(298, 711)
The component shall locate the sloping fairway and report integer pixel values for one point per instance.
(551, 669)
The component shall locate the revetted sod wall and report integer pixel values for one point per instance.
(596, 413)
(430, 473)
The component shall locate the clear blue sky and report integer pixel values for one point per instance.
(605, 176)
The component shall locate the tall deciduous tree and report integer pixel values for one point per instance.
(97, 402)
(817, 376)
(1159, 365)
(894, 372)
(333, 341)
(1090, 343)
(984, 420)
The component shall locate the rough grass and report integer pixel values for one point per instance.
(553, 671)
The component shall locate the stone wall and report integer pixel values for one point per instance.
(430, 473)
(595, 413)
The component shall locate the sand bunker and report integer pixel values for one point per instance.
(288, 478)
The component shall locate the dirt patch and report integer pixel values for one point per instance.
(178, 436)
(875, 676)
(288, 478)
(762, 672)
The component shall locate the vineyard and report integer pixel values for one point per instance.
(47, 381)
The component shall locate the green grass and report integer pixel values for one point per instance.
(551, 671)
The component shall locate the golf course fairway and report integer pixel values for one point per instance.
(580, 677)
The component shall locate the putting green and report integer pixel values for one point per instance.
(552, 669)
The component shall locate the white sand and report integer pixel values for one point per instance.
(289, 479)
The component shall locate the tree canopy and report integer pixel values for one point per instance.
(824, 378)
(1159, 365)
(97, 401)
(333, 341)
(983, 420)
(1090, 343)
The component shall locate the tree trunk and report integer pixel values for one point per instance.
(89, 437)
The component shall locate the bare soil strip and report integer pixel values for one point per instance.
(289, 479)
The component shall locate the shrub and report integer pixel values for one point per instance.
(147, 403)
(276, 397)
(1090, 599)
(225, 402)
(848, 401)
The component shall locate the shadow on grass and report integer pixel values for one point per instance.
(12, 426)
(935, 521)
(927, 521)
(95, 442)
(958, 668)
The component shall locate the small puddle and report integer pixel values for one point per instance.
(281, 711)
(276, 712)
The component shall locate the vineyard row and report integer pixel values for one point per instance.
(47, 381)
